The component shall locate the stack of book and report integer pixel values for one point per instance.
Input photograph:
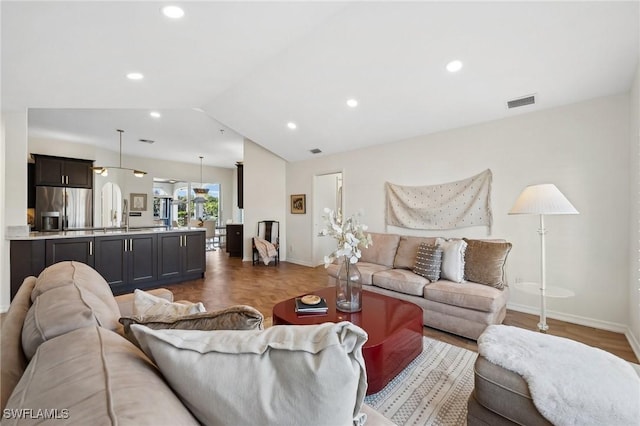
(320, 307)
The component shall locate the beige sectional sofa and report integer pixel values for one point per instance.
(464, 308)
(64, 357)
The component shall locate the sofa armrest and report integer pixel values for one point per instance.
(125, 301)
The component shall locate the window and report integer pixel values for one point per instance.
(187, 206)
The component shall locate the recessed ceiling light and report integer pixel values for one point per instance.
(155, 114)
(352, 103)
(292, 125)
(454, 66)
(173, 12)
(135, 76)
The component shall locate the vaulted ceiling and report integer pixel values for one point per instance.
(230, 70)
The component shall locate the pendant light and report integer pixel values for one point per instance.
(104, 170)
(202, 191)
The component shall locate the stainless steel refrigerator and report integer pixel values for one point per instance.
(59, 208)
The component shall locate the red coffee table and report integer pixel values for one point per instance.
(394, 327)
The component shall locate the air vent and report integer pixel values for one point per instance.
(527, 100)
(315, 151)
(149, 141)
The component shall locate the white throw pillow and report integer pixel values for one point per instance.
(305, 375)
(452, 268)
(146, 305)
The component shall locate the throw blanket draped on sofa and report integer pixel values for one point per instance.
(570, 383)
(446, 206)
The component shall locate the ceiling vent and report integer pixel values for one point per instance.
(149, 141)
(527, 100)
(315, 151)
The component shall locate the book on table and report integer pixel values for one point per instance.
(318, 308)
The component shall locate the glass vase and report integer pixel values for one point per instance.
(349, 287)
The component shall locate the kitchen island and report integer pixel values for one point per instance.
(141, 257)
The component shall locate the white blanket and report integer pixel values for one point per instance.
(266, 250)
(570, 383)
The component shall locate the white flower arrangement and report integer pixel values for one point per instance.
(350, 236)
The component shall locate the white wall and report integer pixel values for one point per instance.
(634, 214)
(582, 148)
(4, 244)
(14, 162)
(264, 197)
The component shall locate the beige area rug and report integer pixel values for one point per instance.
(432, 390)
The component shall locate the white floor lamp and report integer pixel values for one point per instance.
(541, 200)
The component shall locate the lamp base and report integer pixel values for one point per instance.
(542, 328)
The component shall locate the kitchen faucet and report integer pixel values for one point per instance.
(125, 214)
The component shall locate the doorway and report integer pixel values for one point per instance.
(327, 192)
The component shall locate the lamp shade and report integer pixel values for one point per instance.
(542, 199)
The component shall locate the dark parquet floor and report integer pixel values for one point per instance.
(229, 281)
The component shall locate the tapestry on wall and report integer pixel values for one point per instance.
(446, 206)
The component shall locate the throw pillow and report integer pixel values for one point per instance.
(484, 262)
(452, 259)
(238, 317)
(428, 261)
(307, 375)
(147, 305)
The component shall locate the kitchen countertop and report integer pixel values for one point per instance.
(98, 232)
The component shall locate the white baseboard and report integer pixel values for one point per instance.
(300, 262)
(633, 342)
(574, 319)
(4, 309)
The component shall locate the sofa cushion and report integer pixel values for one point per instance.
(470, 295)
(484, 262)
(505, 393)
(408, 250)
(452, 259)
(147, 305)
(382, 251)
(366, 271)
(238, 317)
(400, 280)
(428, 262)
(12, 359)
(68, 296)
(93, 376)
(314, 374)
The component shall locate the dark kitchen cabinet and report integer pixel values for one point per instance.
(194, 260)
(181, 255)
(240, 184)
(60, 171)
(127, 262)
(31, 186)
(79, 249)
(27, 258)
(234, 240)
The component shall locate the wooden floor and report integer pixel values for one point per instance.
(229, 281)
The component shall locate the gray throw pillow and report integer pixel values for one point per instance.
(484, 262)
(428, 261)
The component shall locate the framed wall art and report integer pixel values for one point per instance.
(298, 204)
(138, 202)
